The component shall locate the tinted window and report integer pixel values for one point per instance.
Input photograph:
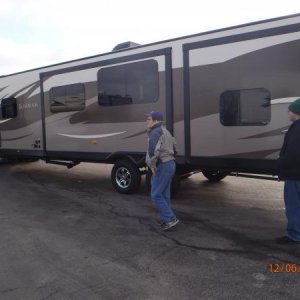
(128, 84)
(245, 107)
(9, 108)
(67, 98)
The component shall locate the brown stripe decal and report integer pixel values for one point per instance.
(16, 138)
(254, 154)
(275, 132)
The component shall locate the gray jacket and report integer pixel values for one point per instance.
(161, 145)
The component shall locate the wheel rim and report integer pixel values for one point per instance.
(123, 177)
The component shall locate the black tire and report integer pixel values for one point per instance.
(214, 176)
(125, 177)
(175, 185)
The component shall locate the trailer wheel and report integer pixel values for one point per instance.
(175, 185)
(125, 177)
(214, 176)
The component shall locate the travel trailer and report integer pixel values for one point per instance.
(224, 94)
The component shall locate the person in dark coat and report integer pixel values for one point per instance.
(289, 171)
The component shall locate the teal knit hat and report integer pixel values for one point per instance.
(295, 107)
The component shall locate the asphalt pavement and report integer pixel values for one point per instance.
(66, 234)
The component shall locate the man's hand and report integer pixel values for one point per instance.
(153, 170)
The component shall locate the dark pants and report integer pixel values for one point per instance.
(292, 208)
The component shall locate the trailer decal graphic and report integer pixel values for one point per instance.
(275, 132)
(91, 136)
(3, 121)
(136, 134)
(1, 89)
(284, 100)
(16, 138)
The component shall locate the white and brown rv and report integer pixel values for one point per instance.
(224, 95)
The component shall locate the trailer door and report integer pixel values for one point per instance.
(99, 107)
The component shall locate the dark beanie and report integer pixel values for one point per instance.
(295, 107)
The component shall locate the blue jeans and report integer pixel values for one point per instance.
(292, 208)
(161, 190)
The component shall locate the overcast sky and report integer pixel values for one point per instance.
(35, 33)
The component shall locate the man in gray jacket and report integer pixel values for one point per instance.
(160, 159)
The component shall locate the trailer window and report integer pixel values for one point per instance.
(9, 108)
(245, 107)
(130, 83)
(67, 98)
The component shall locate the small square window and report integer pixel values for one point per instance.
(67, 98)
(245, 107)
(9, 108)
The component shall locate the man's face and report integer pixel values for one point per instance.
(150, 122)
(292, 116)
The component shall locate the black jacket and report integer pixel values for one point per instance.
(289, 158)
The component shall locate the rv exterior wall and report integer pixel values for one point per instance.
(85, 107)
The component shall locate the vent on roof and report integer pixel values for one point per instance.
(125, 45)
